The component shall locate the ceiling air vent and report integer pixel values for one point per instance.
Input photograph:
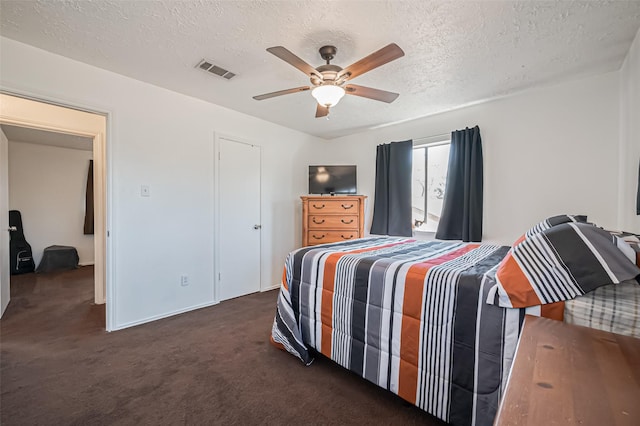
(214, 69)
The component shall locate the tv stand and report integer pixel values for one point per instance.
(329, 220)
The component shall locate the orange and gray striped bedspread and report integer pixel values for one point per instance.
(410, 316)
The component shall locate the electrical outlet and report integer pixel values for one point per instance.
(184, 280)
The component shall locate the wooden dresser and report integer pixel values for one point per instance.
(327, 219)
(570, 375)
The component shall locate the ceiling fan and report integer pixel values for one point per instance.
(328, 82)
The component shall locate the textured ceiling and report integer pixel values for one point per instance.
(43, 137)
(456, 52)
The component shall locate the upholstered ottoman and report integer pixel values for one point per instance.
(55, 258)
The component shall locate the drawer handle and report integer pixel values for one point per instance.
(347, 207)
(346, 238)
(318, 207)
(318, 238)
(316, 222)
(345, 222)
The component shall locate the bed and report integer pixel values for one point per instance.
(435, 322)
(615, 307)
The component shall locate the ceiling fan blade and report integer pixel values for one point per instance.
(292, 59)
(280, 93)
(321, 111)
(380, 57)
(371, 93)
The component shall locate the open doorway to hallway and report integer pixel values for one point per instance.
(81, 126)
(50, 191)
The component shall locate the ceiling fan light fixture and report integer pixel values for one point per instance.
(329, 82)
(328, 94)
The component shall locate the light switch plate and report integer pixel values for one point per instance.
(145, 191)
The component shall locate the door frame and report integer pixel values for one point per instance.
(32, 112)
(216, 208)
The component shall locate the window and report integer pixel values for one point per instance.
(429, 176)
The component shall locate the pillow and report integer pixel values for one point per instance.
(629, 237)
(629, 243)
(559, 263)
(548, 223)
(555, 220)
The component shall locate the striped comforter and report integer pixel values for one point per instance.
(410, 316)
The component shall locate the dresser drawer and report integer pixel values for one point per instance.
(323, 237)
(333, 206)
(332, 219)
(317, 221)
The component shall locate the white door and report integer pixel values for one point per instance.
(239, 220)
(5, 293)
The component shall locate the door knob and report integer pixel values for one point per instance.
(257, 226)
(12, 229)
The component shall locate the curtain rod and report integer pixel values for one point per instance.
(433, 138)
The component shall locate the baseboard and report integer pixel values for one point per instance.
(161, 316)
(273, 287)
(90, 263)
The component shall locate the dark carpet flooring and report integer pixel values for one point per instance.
(211, 366)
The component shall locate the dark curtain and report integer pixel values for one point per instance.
(462, 207)
(638, 196)
(88, 209)
(392, 205)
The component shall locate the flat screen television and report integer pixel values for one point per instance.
(332, 180)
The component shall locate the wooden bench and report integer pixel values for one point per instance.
(571, 375)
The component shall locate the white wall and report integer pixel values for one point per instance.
(48, 185)
(5, 286)
(165, 140)
(546, 151)
(630, 138)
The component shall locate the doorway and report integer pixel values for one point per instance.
(238, 178)
(33, 114)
